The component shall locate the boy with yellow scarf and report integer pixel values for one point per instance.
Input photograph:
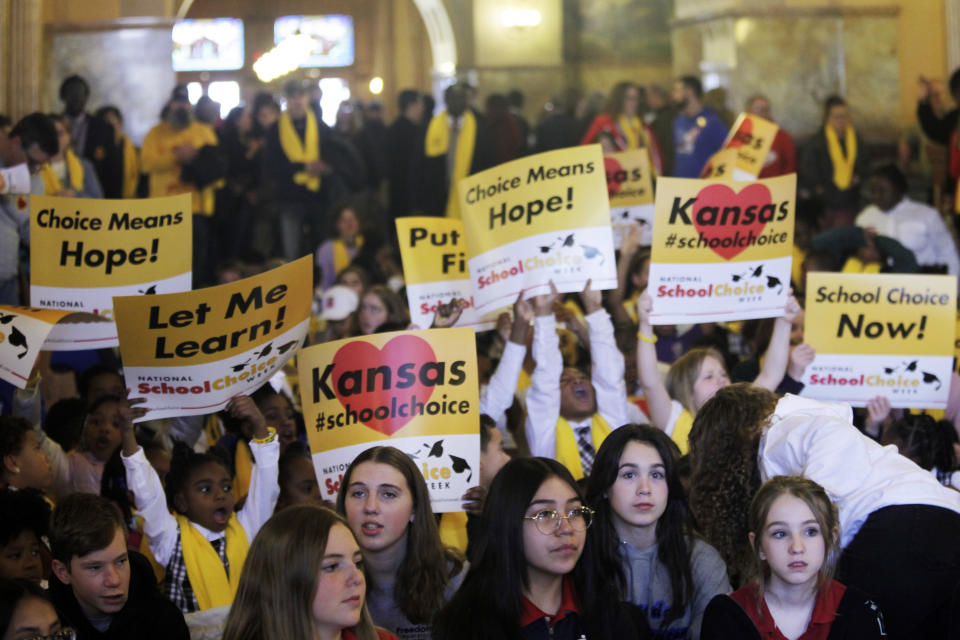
(203, 546)
(568, 414)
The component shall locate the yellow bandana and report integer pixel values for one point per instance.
(437, 143)
(842, 164)
(453, 530)
(52, 185)
(341, 256)
(568, 453)
(306, 151)
(131, 169)
(210, 583)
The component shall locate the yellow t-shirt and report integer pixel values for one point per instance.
(157, 160)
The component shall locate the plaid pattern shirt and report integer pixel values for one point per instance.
(176, 582)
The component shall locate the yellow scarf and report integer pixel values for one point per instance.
(453, 530)
(341, 256)
(131, 169)
(842, 164)
(52, 185)
(210, 583)
(632, 130)
(243, 470)
(438, 142)
(568, 452)
(306, 151)
(681, 431)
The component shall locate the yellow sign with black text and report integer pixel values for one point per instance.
(881, 334)
(751, 138)
(413, 390)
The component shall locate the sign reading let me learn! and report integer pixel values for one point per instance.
(416, 391)
(880, 335)
(721, 250)
(540, 218)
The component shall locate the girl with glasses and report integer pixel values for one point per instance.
(529, 580)
(26, 613)
(643, 537)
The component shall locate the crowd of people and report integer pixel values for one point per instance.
(635, 480)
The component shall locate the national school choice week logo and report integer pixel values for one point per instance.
(563, 255)
(248, 370)
(10, 335)
(904, 377)
(384, 389)
(727, 222)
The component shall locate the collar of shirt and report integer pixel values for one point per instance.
(822, 616)
(568, 604)
(209, 535)
(455, 123)
(586, 422)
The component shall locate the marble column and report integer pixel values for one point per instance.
(20, 57)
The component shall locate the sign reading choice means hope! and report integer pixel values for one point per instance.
(435, 270)
(84, 252)
(751, 136)
(880, 335)
(413, 390)
(630, 189)
(721, 250)
(22, 334)
(540, 218)
(189, 353)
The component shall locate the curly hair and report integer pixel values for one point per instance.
(724, 443)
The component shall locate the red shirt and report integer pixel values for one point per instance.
(824, 611)
(568, 604)
(782, 158)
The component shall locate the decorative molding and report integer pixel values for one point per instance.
(144, 22)
(788, 12)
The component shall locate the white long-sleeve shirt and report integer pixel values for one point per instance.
(818, 441)
(543, 396)
(498, 395)
(160, 525)
(919, 228)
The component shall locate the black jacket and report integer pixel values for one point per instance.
(106, 156)
(148, 615)
(627, 622)
(858, 618)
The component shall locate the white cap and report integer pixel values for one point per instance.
(338, 302)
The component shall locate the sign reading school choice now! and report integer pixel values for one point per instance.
(721, 250)
(540, 218)
(189, 353)
(413, 390)
(83, 252)
(434, 257)
(880, 335)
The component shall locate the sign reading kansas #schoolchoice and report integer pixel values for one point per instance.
(630, 189)
(413, 390)
(880, 335)
(83, 252)
(540, 218)
(751, 137)
(721, 250)
(189, 353)
(433, 251)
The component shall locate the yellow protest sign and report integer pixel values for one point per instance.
(751, 137)
(630, 189)
(433, 251)
(721, 250)
(720, 166)
(22, 334)
(413, 390)
(83, 252)
(189, 353)
(880, 334)
(540, 218)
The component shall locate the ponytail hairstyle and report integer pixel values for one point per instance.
(280, 576)
(428, 565)
(724, 444)
(674, 529)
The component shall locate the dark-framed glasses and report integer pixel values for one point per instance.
(548, 521)
(67, 633)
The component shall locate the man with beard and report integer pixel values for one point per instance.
(698, 132)
(92, 138)
(569, 414)
(457, 144)
(180, 155)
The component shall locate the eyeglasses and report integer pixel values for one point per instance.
(67, 633)
(548, 521)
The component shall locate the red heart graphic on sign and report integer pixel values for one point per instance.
(743, 135)
(356, 359)
(612, 166)
(718, 197)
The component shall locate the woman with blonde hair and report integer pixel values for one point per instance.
(303, 580)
